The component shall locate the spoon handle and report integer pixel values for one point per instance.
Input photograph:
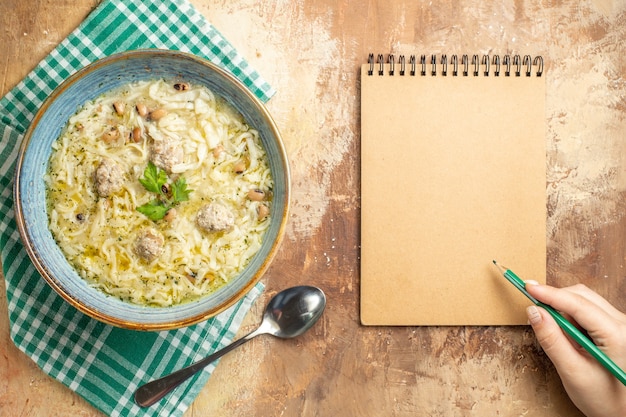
(153, 391)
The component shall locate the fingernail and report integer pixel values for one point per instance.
(534, 316)
(531, 282)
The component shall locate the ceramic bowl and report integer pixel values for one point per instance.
(30, 192)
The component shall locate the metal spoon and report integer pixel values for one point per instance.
(289, 313)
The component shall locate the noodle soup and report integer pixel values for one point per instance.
(159, 192)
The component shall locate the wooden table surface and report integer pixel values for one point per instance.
(310, 51)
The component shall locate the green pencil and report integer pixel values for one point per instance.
(567, 327)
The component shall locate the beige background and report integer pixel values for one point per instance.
(310, 51)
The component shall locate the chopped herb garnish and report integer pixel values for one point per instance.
(155, 180)
(180, 191)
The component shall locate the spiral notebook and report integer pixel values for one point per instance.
(452, 177)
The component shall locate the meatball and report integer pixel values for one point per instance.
(108, 178)
(166, 153)
(149, 244)
(215, 217)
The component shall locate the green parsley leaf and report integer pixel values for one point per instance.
(154, 210)
(180, 191)
(153, 178)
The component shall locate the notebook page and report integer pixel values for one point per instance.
(452, 176)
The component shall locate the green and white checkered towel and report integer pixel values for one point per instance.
(102, 363)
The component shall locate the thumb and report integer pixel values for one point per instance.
(554, 342)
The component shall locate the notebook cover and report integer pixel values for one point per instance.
(453, 176)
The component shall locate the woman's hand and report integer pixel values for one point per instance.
(592, 388)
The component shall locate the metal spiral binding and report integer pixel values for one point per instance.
(465, 62)
(486, 64)
(518, 62)
(476, 64)
(539, 63)
(496, 62)
(512, 65)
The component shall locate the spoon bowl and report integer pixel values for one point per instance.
(288, 314)
(293, 311)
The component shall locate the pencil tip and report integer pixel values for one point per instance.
(500, 267)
